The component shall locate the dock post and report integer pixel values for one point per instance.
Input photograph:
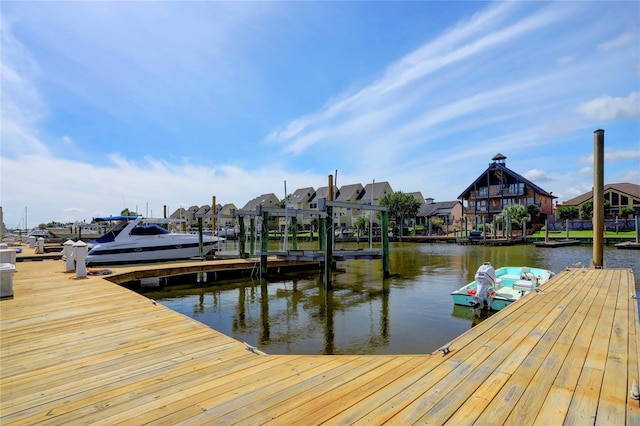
(67, 251)
(328, 244)
(80, 255)
(598, 198)
(200, 242)
(294, 233)
(385, 243)
(40, 246)
(328, 248)
(322, 229)
(241, 236)
(252, 235)
(213, 215)
(546, 230)
(484, 229)
(264, 243)
(495, 227)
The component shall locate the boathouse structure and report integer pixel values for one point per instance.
(497, 187)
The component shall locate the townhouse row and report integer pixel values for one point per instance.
(494, 189)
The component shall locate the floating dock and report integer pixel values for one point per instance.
(87, 351)
(557, 243)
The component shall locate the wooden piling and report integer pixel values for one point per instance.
(264, 243)
(328, 246)
(598, 198)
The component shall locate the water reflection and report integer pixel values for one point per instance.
(409, 312)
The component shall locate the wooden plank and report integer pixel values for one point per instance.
(553, 350)
(234, 411)
(298, 392)
(584, 404)
(613, 396)
(127, 400)
(491, 339)
(469, 403)
(555, 407)
(633, 366)
(231, 386)
(321, 408)
(212, 358)
(517, 380)
(95, 353)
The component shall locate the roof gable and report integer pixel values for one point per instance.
(302, 195)
(434, 209)
(497, 172)
(350, 193)
(267, 200)
(323, 192)
(379, 190)
(626, 188)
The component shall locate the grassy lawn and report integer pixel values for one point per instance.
(539, 234)
(583, 234)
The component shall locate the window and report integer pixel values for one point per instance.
(615, 200)
(516, 188)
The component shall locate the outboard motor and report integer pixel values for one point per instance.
(485, 280)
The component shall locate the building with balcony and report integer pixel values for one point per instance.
(497, 187)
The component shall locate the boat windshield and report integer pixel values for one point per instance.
(112, 233)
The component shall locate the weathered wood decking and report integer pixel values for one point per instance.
(86, 351)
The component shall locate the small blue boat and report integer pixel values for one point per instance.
(494, 289)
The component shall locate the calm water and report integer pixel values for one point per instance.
(410, 312)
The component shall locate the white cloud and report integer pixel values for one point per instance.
(407, 101)
(631, 175)
(621, 40)
(607, 108)
(430, 122)
(586, 171)
(81, 191)
(613, 155)
(22, 105)
(566, 59)
(537, 175)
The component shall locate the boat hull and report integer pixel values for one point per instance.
(509, 287)
(148, 251)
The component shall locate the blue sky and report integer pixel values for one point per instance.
(107, 105)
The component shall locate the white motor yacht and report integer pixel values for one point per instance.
(136, 239)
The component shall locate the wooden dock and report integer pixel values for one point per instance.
(87, 351)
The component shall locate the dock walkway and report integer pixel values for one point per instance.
(87, 351)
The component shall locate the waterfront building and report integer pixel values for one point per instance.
(619, 195)
(225, 216)
(497, 187)
(345, 217)
(449, 212)
(301, 199)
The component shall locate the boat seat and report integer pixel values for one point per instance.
(524, 285)
(510, 277)
(498, 284)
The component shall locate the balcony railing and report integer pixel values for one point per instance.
(496, 192)
(492, 209)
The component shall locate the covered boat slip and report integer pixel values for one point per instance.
(87, 351)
